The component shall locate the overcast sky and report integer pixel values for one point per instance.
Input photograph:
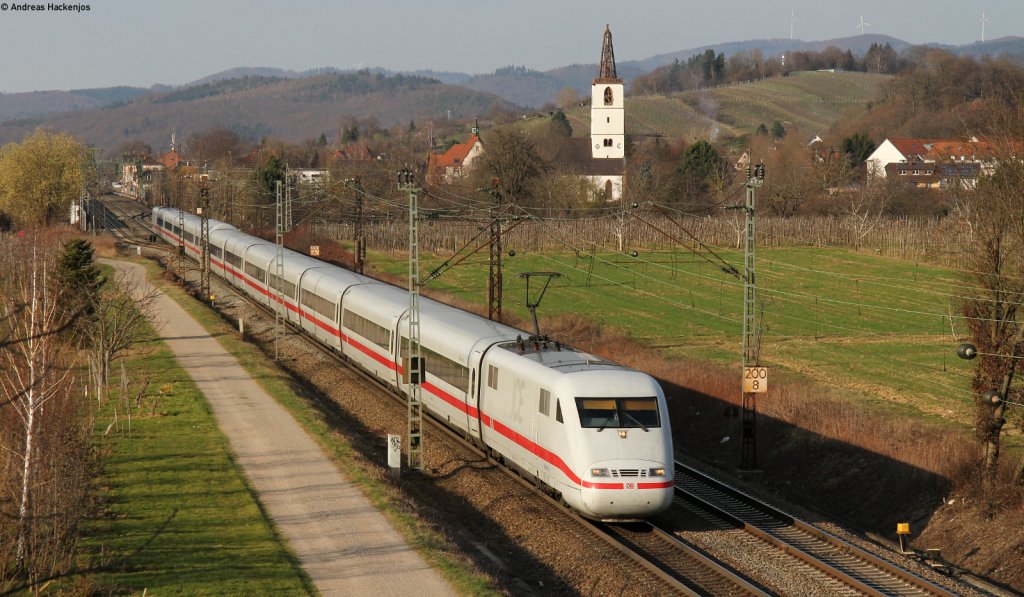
(122, 42)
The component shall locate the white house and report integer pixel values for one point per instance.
(899, 150)
(933, 163)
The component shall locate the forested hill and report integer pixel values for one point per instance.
(257, 107)
(33, 104)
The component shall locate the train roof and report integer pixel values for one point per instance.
(461, 326)
(553, 355)
(327, 276)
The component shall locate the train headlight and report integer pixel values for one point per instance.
(656, 472)
(599, 472)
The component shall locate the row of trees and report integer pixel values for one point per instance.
(708, 69)
(57, 316)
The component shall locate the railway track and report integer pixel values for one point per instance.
(662, 579)
(699, 572)
(673, 566)
(862, 571)
(125, 220)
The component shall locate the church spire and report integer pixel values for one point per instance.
(606, 72)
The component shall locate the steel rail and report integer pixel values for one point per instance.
(667, 581)
(873, 576)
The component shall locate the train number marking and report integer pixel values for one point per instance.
(755, 380)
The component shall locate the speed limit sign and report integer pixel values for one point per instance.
(755, 380)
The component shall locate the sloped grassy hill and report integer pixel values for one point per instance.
(291, 109)
(809, 101)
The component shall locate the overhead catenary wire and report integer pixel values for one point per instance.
(945, 386)
(789, 296)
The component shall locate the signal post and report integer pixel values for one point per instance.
(414, 369)
(755, 377)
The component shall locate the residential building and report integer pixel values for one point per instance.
(457, 161)
(934, 163)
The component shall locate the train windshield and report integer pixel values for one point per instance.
(618, 412)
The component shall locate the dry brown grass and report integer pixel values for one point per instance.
(948, 453)
(817, 446)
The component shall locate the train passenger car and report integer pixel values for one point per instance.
(322, 291)
(590, 431)
(369, 320)
(452, 343)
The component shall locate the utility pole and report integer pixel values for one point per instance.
(290, 183)
(204, 240)
(283, 215)
(494, 262)
(360, 239)
(179, 265)
(751, 381)
(414, 365)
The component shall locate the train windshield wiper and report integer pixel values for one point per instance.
(642, 426)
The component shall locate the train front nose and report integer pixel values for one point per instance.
(627, 490)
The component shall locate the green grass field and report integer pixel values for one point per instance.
(809, 101)
(868, 325)
(180, 517)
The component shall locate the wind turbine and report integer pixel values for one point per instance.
(983, 20)
(792, 21)
(862, 25)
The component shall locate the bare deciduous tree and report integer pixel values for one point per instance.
(512, 158)
(865, 208)
(44, 445)
(997, 258)
(121, 314)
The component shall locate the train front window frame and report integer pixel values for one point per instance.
(621, 413)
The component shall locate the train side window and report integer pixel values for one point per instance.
(492, 377)
(545, 402)
(558, 411)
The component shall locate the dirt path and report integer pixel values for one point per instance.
(343, 543)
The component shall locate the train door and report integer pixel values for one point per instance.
(473, 413)
(398, 322)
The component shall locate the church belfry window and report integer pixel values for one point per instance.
(608, 99)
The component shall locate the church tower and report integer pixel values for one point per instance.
(607, 116)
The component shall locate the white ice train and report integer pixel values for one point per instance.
(591, 431)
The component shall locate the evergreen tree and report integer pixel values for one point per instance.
(267, 175)
(560, 126)
(699, 161)
(79, 278)
(857, 148)
(778, 129)
(350, 134)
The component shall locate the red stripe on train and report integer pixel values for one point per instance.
(520, 440)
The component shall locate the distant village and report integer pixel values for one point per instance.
(612, 164)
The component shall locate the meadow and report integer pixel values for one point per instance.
(178, 514)
(809, 101)
(879, 329)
